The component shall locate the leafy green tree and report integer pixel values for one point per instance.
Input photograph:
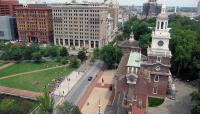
(96, 54)
(145, 41)
(12, 52)
(110, 55)
(37, 57)
(8, 106)
(46, 102)
(28, 50)
(81, 55)
(63, 52)
(74, 62)
(68, 108)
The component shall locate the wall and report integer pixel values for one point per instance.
(8, 28)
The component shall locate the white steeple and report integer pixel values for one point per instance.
(161, 35)
(162, 19)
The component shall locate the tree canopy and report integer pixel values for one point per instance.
(81, 55)
(110, 54)
(68, 108)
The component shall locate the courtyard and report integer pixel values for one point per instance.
(100, 94)
(182, 104)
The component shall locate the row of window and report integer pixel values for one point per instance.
(59, 10)
(72, 14)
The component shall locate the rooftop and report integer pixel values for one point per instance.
(134, 59)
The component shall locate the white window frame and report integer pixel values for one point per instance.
(158, 59)
(134, 98)
(156, 77)
(155, 90)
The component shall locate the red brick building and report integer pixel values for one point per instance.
(139, 76)
(34, 23)
(8, 7)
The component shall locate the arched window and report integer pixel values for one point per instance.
(162, 25)
(158, 25)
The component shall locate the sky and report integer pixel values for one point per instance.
(186, 3)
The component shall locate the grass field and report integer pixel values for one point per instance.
(25, 67)
(153, 102)
(36, 81)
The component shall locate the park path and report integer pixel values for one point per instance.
(18, 92)
(15, 75)
(6, 65)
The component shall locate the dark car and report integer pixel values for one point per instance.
(90, 78)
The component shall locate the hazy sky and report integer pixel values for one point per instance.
(189, 3)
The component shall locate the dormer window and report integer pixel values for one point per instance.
(158, 60)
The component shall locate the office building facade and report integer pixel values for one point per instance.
(34, 23)
(151, 8)
(8, 30)
(80, 25)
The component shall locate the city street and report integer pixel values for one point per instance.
(81, 86)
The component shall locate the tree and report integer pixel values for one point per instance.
(110, 55)
(63, 52)
(37, 57)
(46, 102)
(96, 54)
(74, 63)
(81, 55)
(8, 106)
(145, 41)
(68, 108)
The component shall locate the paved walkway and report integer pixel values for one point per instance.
(65, 87)
(182, 104)
(18, 92)
(6, 65)
(31, 72)
(97, 93)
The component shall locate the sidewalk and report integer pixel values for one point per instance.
(20, 93)
(65, 87)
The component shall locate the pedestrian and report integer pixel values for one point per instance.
(88, 103)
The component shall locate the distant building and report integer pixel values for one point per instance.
(151, 8)
(198, 8)
(84, 25)
(8, 29)
(34, 23)
(8, 7)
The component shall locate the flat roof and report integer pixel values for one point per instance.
(134, 59)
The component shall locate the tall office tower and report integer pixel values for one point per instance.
(114, 12)
(34, 23)
(198, 8)
(81, 25)
(8, 7)
(151, 8)
(8, 28)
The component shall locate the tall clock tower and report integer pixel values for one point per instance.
(161, 37)
(159, 57)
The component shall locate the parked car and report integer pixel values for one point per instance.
(90, 78)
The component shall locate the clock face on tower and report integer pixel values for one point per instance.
(160, 43)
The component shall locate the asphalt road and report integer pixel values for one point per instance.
(80, 88)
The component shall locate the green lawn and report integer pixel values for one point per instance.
(25, 67)
(36, 81)
(153, 102)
